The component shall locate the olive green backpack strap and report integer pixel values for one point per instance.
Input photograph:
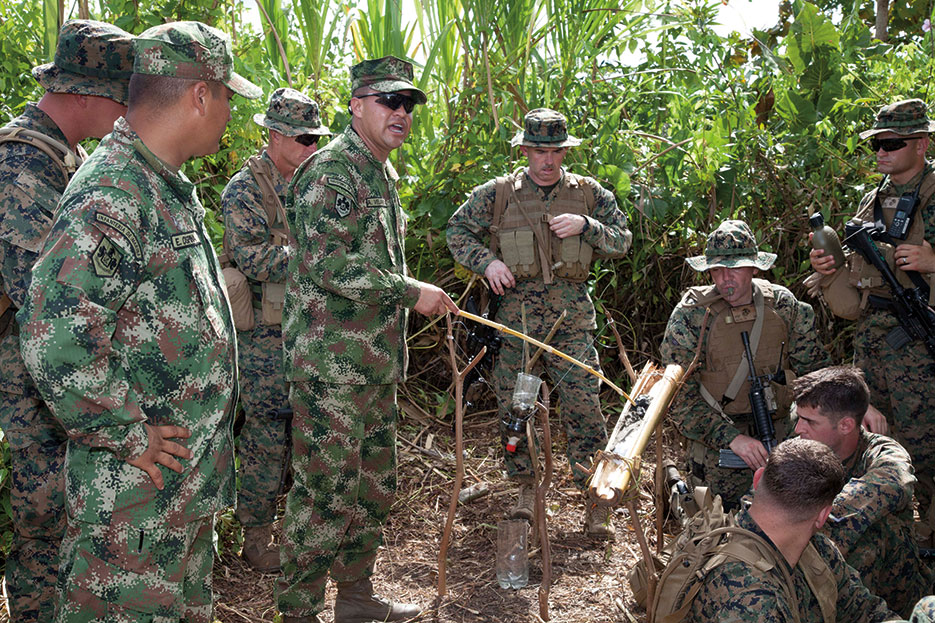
(822, 582)
(499, 204)
(275, 212)
(61, 154)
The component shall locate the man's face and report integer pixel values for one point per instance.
(813, 425)
(545, 163)
(290, 151)
(904, 162)
(735, 285)
(218, 110)
(106, 111)
(381, 128)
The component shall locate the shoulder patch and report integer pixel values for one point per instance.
(184, 240)
(342, 205)
(106, 258)
(124, 230)
(339, 183)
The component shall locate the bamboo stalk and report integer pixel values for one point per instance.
(545, 347)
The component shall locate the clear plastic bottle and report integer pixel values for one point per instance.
(826, 239)
(512, 554)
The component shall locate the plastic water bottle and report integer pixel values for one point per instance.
(512, 554)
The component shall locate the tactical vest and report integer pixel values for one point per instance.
(268, 296)
(522, 236)
(862, 274)
(725, 353)
(67, 162)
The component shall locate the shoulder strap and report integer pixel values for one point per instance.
(60, 153)
(499, 203)
(587, 189)
(821, 580)
(264, 179)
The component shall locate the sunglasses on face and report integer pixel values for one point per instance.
(890, 144)
(393, 100)
(307, 140)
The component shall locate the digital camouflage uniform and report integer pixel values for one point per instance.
(259, 254)
(873, 525)
(606, 232)
(344, 331)
(733, 593)
(924, 611)
(31, 183)
(691, 414)
(127, 323)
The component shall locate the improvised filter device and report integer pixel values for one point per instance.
(522, 408)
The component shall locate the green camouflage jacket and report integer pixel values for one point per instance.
(733, 593)
(126, 322)
(690, 413)
(872, 524)
(347, 293)
(606, 231)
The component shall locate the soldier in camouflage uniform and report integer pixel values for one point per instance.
(872, 524)
(537, 249)
(792, 500)
(713, 409)
(900, 379)
(128, 335)
(344, 331)
(256, 239)
(86, 91)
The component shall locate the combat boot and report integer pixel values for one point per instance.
(304, 619)
(599, 522)
(525, 502)
(356, 603)
(258, 550)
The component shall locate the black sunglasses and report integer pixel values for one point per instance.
(890, 144)
(307, 140)
(393, 100)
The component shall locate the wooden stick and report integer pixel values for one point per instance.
(543, 488)
(459, 456)
(552, 351)
(659, 488)
(548, 338)
(621, 349)
(647, 558)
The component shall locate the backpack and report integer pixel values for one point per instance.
(709, 539)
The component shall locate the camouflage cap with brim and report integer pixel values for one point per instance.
(385, 75)
(292, 113)
(544, 127)
(91, 58)
(904, 117)
(731, 245)
(193, 51)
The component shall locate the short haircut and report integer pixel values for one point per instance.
(837, 392)
(802, 476)
(149, 91)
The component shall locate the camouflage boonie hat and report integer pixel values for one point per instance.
(292, 114)
(385, 75)
(193, 51)
(544, 127)
(731, 245)
(91, 58)
(904, 117)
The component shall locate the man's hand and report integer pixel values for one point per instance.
(433, 300)
(875, 422)
(916, 257)
(821, 263)
(751, 450)
(499, 276)
(162, 451)
(565, 225)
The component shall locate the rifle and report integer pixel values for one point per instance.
(480, 335)
(762, 416)
(909, 305)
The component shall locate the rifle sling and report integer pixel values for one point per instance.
(884, 235)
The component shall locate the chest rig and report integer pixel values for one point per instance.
(520, 233)
(724, 383)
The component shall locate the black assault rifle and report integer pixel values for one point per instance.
(909, 305)
(762, 417)
(480, 335)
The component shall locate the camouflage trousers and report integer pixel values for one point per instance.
(901, 388)
(578, 399)
(730, 484)
(116, 573)
(344, 465)
(262, 445)
(37, 498)
(924, 611)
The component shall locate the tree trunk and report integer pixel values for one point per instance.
(883, 18)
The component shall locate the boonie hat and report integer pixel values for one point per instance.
(91, 58)
(544, 127)
(292, 113)
(190, 50)
(731, 245)
(385, 75)
(904, 117)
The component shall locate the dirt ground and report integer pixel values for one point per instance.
(589, 576)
